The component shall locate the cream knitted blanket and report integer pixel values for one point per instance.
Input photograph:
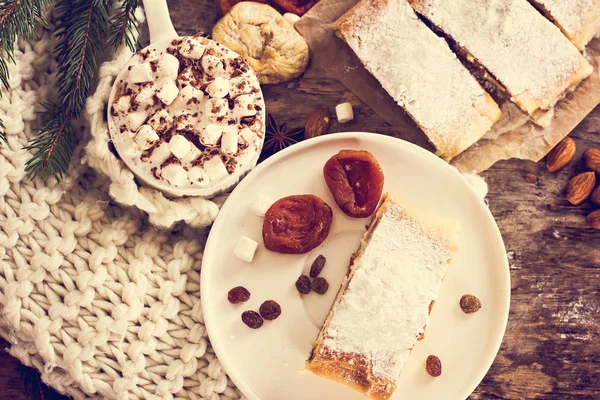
(91, 294)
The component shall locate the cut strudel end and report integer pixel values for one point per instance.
(421, 73)
(525, 52)
(384, 303)
(578, 19)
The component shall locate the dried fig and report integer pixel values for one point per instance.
(296, 224)
(355, 180)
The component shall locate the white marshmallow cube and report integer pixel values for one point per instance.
(140, 73)
(219, 87)
(215, 169)
(168, 66)
(145, 96)
(245, 249)
(229, 141)
(145, 137)
(210, 134)
(185, 122)
(344, 112)
(193, 154)
(167, 91)
(239, 85)
(179, 146)
(216, 108)
(175, 174)
(185, 99)
(246, 136)
(261, 205)
(122, 104)
(291, 18)
(212, 65)
(161, 121)
(161, 154)
(198, 177)
(136, 119)
(191, 48)
(244, 106)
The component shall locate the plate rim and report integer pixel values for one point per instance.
(498, 338)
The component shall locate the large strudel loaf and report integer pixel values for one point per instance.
(418, 69)
(384, 303)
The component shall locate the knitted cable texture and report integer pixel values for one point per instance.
(91, 295)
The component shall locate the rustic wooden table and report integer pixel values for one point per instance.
(551, 349)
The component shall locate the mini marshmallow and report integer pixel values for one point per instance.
(291, 18)
(175, 174)
(191, 48)
(245, 249)
(215, 108)
(185, 122)
(136, 119)
(246, 135)
(122, 104)
(188, 98)
(239, 85)
(198, 177)
(244, 106)
(210, 134)
(140, 73)
(161, 121)
(167, 91)
(168, 66)
(344, 112)
(229, 141)
(219, 87)
(179, 146)
(161, 154)
(145, 96)
(261, 205)
(145, 137)
(193, 154)
(212, 65)
(215, 169)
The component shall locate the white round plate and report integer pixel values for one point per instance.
(267, 363)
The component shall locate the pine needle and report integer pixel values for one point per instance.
(122, 25)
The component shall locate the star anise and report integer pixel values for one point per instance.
(278, 137)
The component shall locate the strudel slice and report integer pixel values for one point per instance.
(421, 73)
(384, 303)
(578, 19)
(520, 48)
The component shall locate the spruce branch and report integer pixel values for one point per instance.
(18, 18)
(123, 25)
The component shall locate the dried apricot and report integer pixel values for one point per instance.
(238, 294)
(270, 310)
(355, 180)
(433, 365)
(252, 319)
(296, 224)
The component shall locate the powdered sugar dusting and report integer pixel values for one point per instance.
(386, 304)
(418, 69)
(579, 19)
(530, 56)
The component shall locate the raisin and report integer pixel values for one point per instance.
(470, 304)
(433, 365)
(355, 179)
(317, 266)
(238, 294)
(270, 310)
(320, 285)
(303, 284)
(252, 319)
(296, 224)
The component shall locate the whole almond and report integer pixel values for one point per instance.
(592, 159)
(561, 154)
(317, 123)
(596, 196)
(580, 187)
(593, 219)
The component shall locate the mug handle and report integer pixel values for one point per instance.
(159, 20)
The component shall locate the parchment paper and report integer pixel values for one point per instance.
(514, 136)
